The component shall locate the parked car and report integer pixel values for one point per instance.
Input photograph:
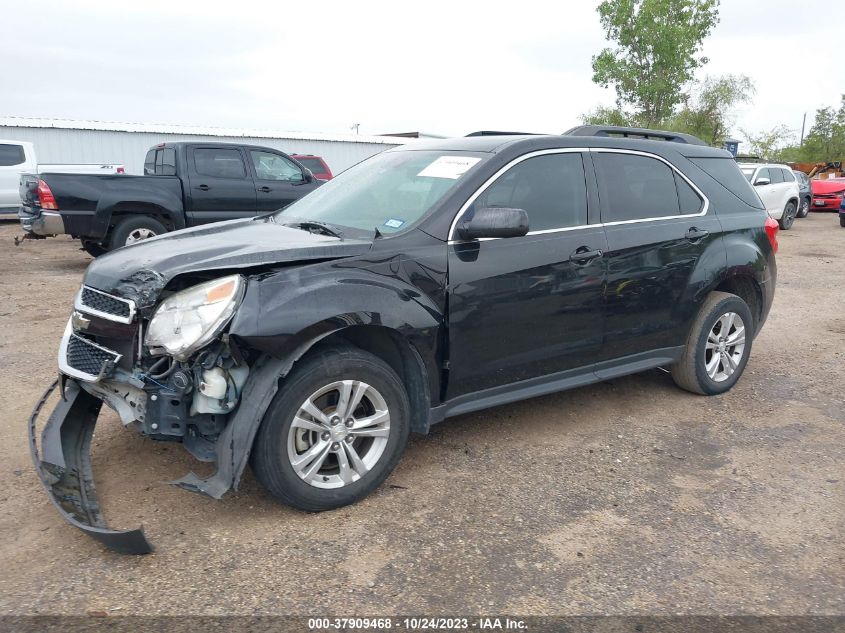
(418, 285)
(18, 158)
(184, 184)
(828, 194)
(805, 193)
(316, 164)
(777, 188)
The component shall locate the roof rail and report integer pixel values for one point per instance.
(494, 133)
(634, 132)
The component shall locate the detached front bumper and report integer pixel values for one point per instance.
(64, 466)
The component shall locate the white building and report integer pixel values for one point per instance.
(68, 141)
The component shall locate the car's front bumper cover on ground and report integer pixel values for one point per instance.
(64, 466)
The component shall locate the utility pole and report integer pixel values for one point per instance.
(803, 123)
(355, 127)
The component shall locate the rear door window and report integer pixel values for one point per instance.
(219, 162)
(11, 155)
(690, 202)
(776, 175)
(787, 175)
(634, 187)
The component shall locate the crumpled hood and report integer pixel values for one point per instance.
(141, 270)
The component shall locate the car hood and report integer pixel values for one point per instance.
(140, 271)
(828, 186)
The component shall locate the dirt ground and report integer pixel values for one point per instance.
(627, 497)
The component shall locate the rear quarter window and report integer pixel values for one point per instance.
(726, 172)
(11, 155)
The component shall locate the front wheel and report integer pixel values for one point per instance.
(804, 211)
(334, 432)
(718, 346)
(788, 218)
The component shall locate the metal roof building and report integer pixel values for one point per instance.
(70, 141)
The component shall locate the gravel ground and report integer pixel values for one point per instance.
(627, 497)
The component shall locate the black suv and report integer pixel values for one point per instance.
(428, 281)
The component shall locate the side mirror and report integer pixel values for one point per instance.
(762, 181)
(307, 175)
(494, 222)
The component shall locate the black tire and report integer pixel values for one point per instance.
(270, 453)
(804, 211)
(690, 372)
(94, 249)
(788, 218)
(133, 225)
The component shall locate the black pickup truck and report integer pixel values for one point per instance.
(184, 184)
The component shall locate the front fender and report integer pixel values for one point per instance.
(281, 314)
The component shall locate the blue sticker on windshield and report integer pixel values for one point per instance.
(394, 223)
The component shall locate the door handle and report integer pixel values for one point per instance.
(203, 187)
(694, 234)
(265, 189)
(584, 255)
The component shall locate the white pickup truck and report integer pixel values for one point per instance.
(18, 157)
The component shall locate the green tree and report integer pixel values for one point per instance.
(608, 116)
(825, 141)
(708, 112)
(769, 144)
(657, 45)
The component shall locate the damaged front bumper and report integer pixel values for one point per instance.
(64, 466)
(212, 403)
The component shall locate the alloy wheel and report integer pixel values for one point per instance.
(725, 346)
(139, 234)
(338, 434)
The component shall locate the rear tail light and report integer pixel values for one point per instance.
(772, 228)
(46, 200)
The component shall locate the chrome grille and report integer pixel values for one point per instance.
(104, 305)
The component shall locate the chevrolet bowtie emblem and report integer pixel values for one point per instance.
(79, 321)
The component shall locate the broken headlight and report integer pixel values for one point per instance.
(189, 319)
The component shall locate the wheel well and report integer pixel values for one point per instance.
(394, 349)
(745, 288)
(124, 209)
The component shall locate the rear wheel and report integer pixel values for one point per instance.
(718, 346)
(334, 432)
(134, 229)
(788, 218)
(804, 211)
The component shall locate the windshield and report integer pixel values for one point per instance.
(389, 192)
(748, 172)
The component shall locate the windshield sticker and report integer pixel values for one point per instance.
(449, 167)
(394, 223)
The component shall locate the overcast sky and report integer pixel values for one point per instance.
(441, 67)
